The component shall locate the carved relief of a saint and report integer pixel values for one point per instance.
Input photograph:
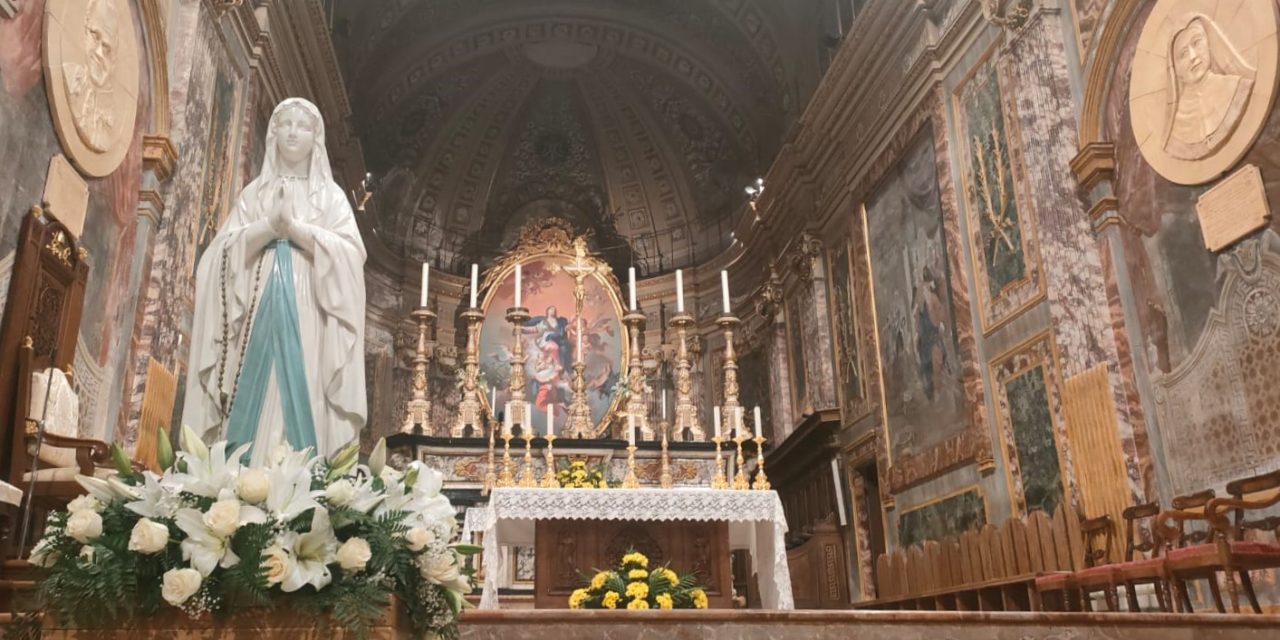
(1210, 84)
(90, 86)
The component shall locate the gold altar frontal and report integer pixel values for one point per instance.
(567, 550)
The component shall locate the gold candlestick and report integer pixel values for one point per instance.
(579, 422)
(418, 410)
(718, 480)
(549, 476)
(686, 413)
(635, 376)
(732, 411)
(517, 316)
(762, 481)
(629, 481)
(490, 476)
(740, 478)
(470, 407)
(507, 479)
(526, 476)
(664, 480)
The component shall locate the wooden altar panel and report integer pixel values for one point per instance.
(568, 549)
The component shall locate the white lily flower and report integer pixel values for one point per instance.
(106, 491)
(289, 492)
(209, 534)
(364, 498)
(193, 444)
(207, 476)
(157, 497)
(312, 553)
(378, 457)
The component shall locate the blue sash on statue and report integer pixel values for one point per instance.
(275, 343)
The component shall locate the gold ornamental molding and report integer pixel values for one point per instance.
(159, 155)
(1095, 162)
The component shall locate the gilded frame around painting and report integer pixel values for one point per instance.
(933, 502)
(1038, 351)
(988, 204)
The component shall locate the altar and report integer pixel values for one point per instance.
(571, 528)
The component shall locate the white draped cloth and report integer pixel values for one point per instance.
(756, 522)
(330, 295)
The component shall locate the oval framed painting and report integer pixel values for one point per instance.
(554, 337)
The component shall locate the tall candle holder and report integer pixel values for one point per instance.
(686, 413)
(549, 480)
(507, 479)
(579, 420)
(740, 478)
(718, 481)
(630, 481)
(517, 316)
(470, 408)
(418, 410)
(664, 480)
(733, 422)
(527, 479)
(635, 376)
(490, 474)
(762, 481)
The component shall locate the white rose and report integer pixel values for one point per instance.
(223, 518)
(439, 569)
(85, 503)
(418, 538)
(252, 486)
(84, 525)
(340, 492)
(42, 555)
(278, 564)
(86, 553)
(148, 537)
(179, 585)
(354, 554)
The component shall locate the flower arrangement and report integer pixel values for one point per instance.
(576, 475)
(211, 536)
(634, 586)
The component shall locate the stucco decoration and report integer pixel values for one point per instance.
(91, 74)
(1204, 78)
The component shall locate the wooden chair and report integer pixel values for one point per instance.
(1097, 574)
(1229, 552)
(1143, 563)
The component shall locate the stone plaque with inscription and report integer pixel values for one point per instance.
(1233, 208)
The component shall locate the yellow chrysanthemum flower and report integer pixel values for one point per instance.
(602, 484)
(575, 600)
(598, 581)
(664, 600)
(637, 574)
(639, 590)
(636, 558)
(638, 604)
(610, 600)
(671, 577)
(579, 475)
(699, 598)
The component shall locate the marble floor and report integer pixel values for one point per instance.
(859, 625)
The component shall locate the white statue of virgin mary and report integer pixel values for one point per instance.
(277, 345)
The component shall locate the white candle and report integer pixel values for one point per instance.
(724, 290)
(578, 353)
(631, 429)
(475, 283)
(551, 419)
(527, 420)
(493, 399)
(679, 291)
(664, 404)
(738, 426)
(717, 420)
(756, 413)
(426, 279)
(506, 418)
(631, 276)
(835, 478)
(518, 283)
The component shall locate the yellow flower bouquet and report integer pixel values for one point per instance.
(633, 585)
(576, 475)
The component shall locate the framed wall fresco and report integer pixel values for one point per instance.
(924, 395)
(947, 516)
(1002, 223)
(1032, 431)
(551, 335)
(753, 379)
(795, 355)
(844, 322)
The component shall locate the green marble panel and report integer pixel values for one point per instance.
(1032, 421)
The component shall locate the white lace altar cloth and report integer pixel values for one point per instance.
(755, 518)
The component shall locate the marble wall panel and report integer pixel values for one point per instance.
(844, 321)
(796, 356)
(948, 516)
(819, 346)
(1000, 213)
(754, 388)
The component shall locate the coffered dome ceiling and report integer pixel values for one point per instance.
(638, 120)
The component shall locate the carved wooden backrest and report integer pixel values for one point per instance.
(44, 304)
(1134, 542)
(1193, 532)
(1249, 488)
